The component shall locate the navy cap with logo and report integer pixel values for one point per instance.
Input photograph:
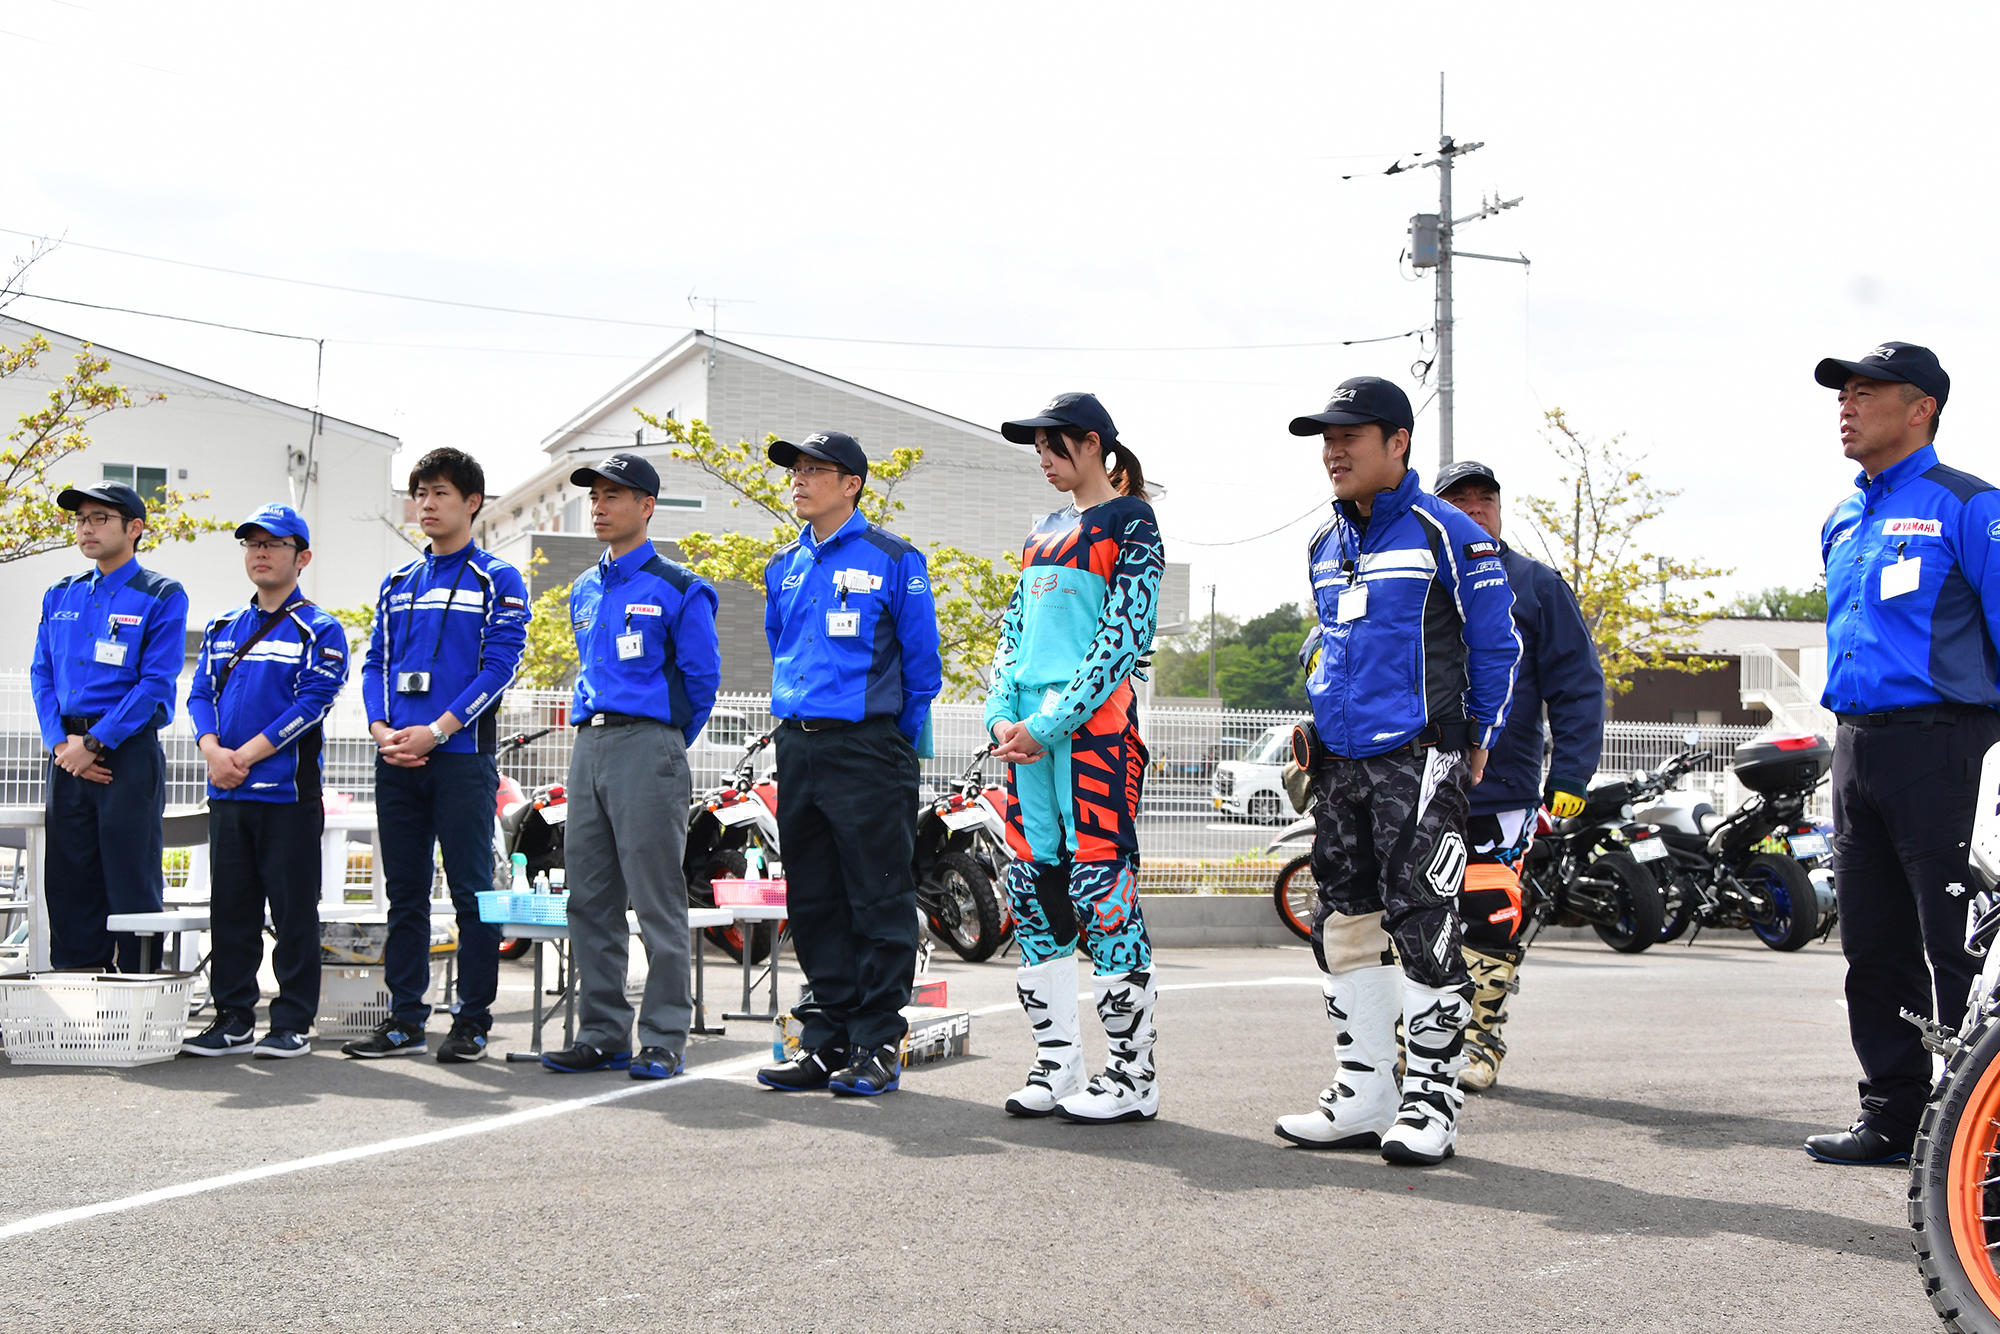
(620, 470)
(1905, 363)
(1465, 470)
(1356, 402)
(278, 521)
(1082, 413)
(827, 446)
(115, 494)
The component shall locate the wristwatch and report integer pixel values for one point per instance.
(437, 734)
(93, 745)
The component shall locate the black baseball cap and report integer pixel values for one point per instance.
(115, 494)
(827, 446)
(1905, 363)
(1356, 402)
(620, 470)
(1463, 471)
(1082, 413)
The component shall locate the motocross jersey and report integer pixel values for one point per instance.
(1416, 625)
(1082, 615)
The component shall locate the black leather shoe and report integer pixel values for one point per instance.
(808, 1070)
(1860, 1145)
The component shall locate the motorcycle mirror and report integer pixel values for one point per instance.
(1691, 738)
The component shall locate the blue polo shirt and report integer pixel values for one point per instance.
(853, 628)
(1913, 590)
(110, 647)
(280, 687)
(671, 670)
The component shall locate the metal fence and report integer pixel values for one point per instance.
(1180, 824)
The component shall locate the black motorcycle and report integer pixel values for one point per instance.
(1586, 870)
(961, 852)
(1744, 870)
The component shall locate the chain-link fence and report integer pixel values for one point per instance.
(1214, 796)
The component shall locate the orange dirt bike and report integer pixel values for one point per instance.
(1955, 1169)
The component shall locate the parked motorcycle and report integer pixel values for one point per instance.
(961, 854)
(1729, 871)
(728, 827)
(1590, 869)
(1955, 1168)
(528, 822)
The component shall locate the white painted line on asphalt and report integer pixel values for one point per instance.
(506, 1121)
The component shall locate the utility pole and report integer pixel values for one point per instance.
(1211, 641)
(1431, 248)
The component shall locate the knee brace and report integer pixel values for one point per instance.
(1490, 906)
(1044, 922)
(1347, 943)
(1106, 895)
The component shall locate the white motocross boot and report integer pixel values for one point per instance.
(1048, 994)
(1128, 1090)
(1434, 1020)
(1361, 1106)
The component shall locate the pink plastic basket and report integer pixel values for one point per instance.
(749, 893)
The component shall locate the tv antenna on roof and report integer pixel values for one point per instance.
(695, 303)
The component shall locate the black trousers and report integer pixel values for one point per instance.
(265, 852)
(103, 847)
(847, 826)
(1903, 798)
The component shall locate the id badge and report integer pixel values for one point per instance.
(843, 624)
(111, 653)
(1353, 604)
(631, 646)
(1901, 577)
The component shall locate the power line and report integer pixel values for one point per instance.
(683, 328)
(156, 315)
(1239, 541)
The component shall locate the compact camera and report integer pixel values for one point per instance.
(413, 683)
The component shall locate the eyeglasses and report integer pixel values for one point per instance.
(266, 548)
(97, 519)
(808, 471)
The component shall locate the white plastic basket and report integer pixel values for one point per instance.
(94, 1018)
(353, 1000)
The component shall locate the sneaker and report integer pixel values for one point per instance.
(229, 1034)
(655, 1063)
(876, 1070)
(583, 1058)
(465, 1044)
(806, 1071)
(392, 1037)
(282, 1044)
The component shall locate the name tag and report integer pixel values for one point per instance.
(1051, 701)
(1352, 604)
(843, 624)
(111, 653)
(631, 646)
(1900, 578)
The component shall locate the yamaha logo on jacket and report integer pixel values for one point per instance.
(281, 686)
(464, 619)
(1436, 643)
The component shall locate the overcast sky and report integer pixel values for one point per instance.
(1716, 197)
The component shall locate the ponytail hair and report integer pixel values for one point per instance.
(1128, 475)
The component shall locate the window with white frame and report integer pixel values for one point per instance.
(150, 483)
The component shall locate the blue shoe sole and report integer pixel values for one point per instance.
(616, 1063)
(654, 1070)
(865, 1090)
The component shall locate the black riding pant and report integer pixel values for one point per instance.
(263, 852)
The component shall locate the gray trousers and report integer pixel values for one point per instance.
(629, 790)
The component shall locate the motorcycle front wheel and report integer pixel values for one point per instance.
(1637, 894)
(1295, 893)
(1794, 904)
(968, 917)
(1955, 1188)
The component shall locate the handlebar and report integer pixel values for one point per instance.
(522, 741)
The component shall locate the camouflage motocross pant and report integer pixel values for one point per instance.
(1390, 837)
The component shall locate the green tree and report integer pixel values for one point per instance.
(1180, 669)
(1256, 661)
(37, 461)
(971, 590)
(1780, 603)
(1642, 608)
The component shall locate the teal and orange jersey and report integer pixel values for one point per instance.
(1081, 617)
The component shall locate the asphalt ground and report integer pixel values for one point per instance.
(1638, 1169)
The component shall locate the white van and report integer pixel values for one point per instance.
(1253, 785)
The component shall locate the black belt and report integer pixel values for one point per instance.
(613, 720)
(76, 724)
(1439, 736)
(1923, 715)
(830, 724)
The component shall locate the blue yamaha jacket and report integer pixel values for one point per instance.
(1913, 590)
(464, 619)
(1436, 643)
(1559, 668)
(282, 687)
(110, 647)
(677, 664)
(882, 663)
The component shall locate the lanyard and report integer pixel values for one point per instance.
(409, 617)
(270, 624)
